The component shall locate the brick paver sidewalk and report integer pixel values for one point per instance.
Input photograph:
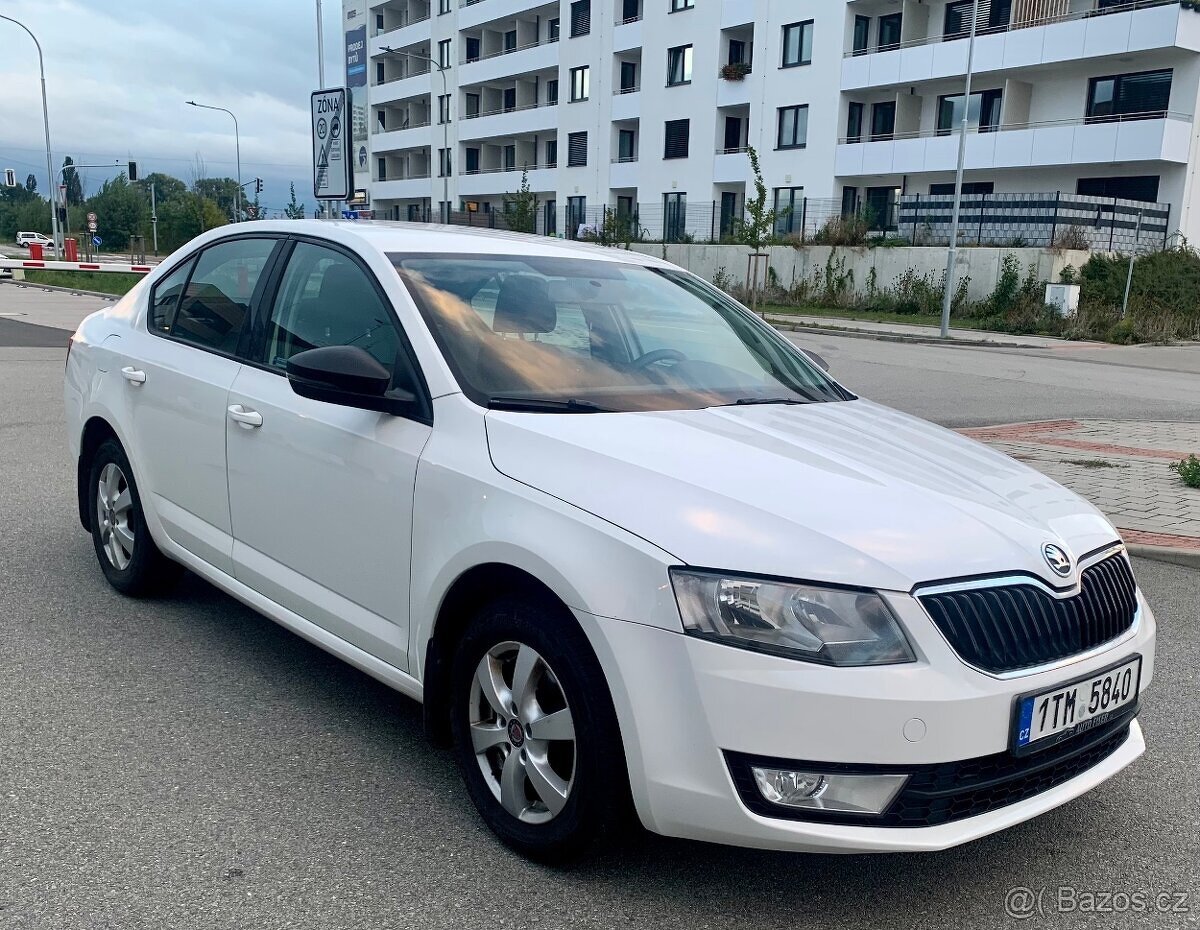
(1119, 465)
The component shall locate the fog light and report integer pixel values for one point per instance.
(851, 794)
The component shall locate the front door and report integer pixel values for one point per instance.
(320, 494)
(177, 382)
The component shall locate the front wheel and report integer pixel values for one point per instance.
(535, 731)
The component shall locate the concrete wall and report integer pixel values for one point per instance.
(791, 264)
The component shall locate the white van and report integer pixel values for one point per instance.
(26, 239)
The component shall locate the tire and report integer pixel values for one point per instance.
(130, 560)
(564, 795)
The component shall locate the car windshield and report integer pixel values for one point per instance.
(586, 336)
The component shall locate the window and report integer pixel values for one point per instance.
(576, 215)
(444, 53)
(679, 65)
(166, 296)
(381, 119)
(883, 121)
(378, 23)
(674, 216)
(550, 218)
(580, 83)
(854, 122)
(214, 306)
(552, 153)
(789, 210)
(382, 166)
(472, 105)
(793, 127)
(552, 91)
(733, 133)
(881, 207)
(862, 33)
(625, 207)
(576, 149)
(983, 114)
(443, 7)
(472, 160)
(443, 108)
(631, 11)
(629, 76)
(969, 189)
(890, 28)
(958, 19)
(1143, 187)
(581, 18)
(737, 52)
(849, 201)
(677, 5)
(327, 299)
(510, 99)
(472, 48)
(552, 30)
(1146, 95)
(444, 163)
(510, 40)
(510, 157)
(676, 145)
(626, 145)
(379, 72)
(797, 44)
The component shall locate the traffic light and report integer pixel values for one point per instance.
(258, 185)
(133, 175)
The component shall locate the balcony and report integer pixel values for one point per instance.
(623, 172)
(1141, 137)
(627, 34)
(413, 32)
(474, 13)
(1139, 26)
(531, 118)
(412, 187)
(415, 84)
(733, 93)
(492, 181)
(731, 166)
(626, 104)
(412, 136)
(534, 56)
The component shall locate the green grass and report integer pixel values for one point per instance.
(106, 282)
(875, 316)
(1188, 470)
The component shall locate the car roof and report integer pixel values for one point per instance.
(389, 237)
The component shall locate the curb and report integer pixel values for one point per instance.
(1188, 558)
(61, 290)
(879, 336)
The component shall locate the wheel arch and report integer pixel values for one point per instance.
(95, 431)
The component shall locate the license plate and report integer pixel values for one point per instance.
(1048, 717)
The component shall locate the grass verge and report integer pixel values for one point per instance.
(875, 316)
(105, 282)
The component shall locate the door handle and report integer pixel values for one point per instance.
(133, 375)
(246, 419)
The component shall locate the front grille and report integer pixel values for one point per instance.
(948, 791)
(1017, 626)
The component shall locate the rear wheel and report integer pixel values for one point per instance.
(535, 731)
(130, 560)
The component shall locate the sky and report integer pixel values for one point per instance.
(118, 76)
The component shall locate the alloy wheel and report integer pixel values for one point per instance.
(522, 732)
(114, 512)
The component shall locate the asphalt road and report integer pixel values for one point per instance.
(184, 762)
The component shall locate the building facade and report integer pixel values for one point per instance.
(646, 107)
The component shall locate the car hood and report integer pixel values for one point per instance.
(851, 492)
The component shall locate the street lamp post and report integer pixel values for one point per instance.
(442, 69)
(952, 252)
(46, 124)
(237, 142)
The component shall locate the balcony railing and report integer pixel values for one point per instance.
(618, 91)
(404, 25)
(624, 159)
(415, 71)
(517, 109)
(410, 176)
(507, 51)
(1013, 26)
(407, 124)
(740, 150)
(1011, 127)
(626, 20)
(506, 169)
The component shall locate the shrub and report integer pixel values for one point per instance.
(1073, 238)
(1162, 300)
(852, 229)
(1188, 470)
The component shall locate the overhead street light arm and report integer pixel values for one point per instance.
(237, 141)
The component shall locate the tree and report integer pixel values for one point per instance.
(122, 211)
(757, 228)
(294, 211)
(71, 180)
(31, 183)
(520, 209)
(166, 187)
(183, 217)
(221, 191)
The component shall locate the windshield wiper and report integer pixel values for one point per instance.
(757, 401)
(540, 405)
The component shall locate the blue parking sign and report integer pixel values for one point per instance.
(97, 241)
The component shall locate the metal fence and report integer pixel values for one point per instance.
(1106, 224)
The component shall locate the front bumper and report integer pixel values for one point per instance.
(688, 707)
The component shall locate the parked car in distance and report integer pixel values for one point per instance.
(26, 239)
(633, 550)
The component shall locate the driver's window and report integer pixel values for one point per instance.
(326, 299)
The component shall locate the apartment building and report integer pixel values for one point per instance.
(647, 106)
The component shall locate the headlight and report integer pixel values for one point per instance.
(832, 626)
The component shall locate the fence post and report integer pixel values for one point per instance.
(803, 219)
(982, 208)
(1112, 225)
(916, 217)
(1054, 223)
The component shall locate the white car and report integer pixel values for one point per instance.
(26, 239)
(630, 547)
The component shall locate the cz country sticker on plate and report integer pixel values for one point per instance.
(1050, 716)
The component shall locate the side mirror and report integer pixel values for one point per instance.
(816, 359)
(348, 376)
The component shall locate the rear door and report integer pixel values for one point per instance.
(321, 495)
(177, 375)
